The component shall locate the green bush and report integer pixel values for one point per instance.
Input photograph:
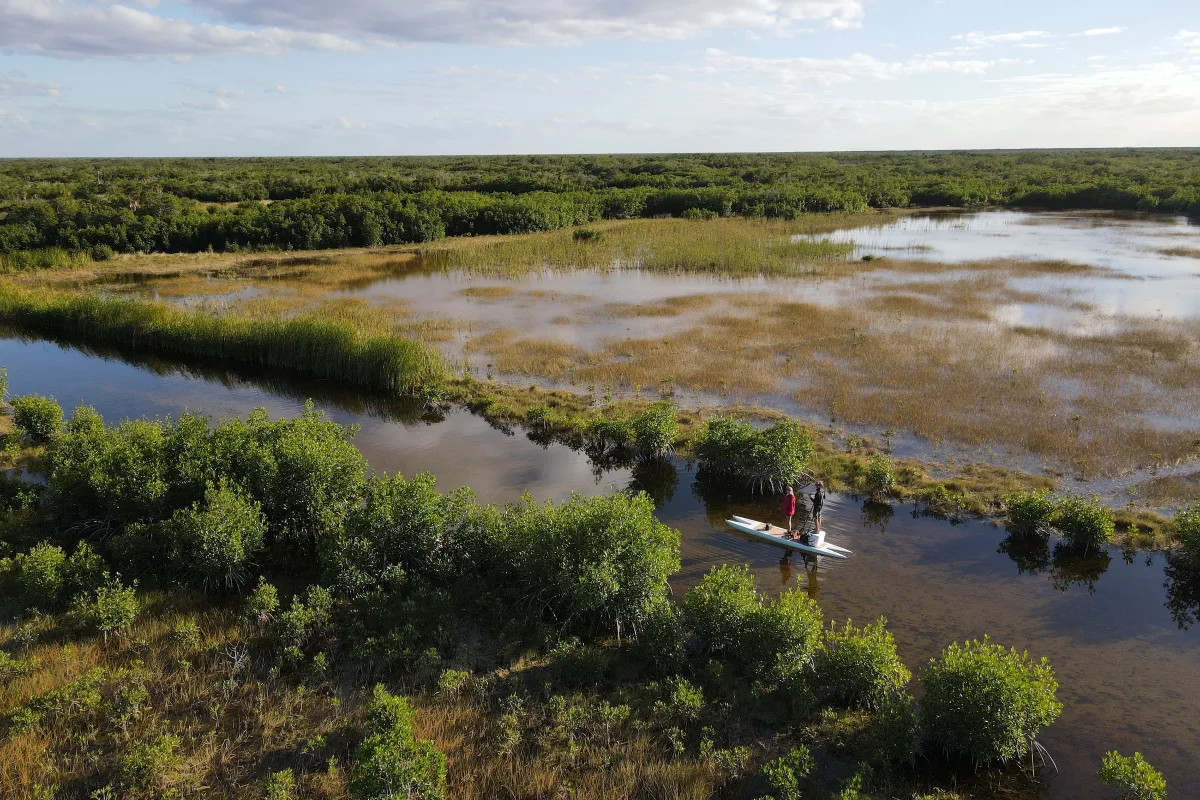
(879, 478)
(610, 433)
(41, 418)
(734, 623)
(3, 382)
(216, 540)
(391, 762)
(761, 459)
(783, 634)
(860, 666)
(681, 705)
(661, 639)
(1187, 530)
(986, 703)
(590, 560)
(1083, 522)
(538, 415)
(36, 576)
(262, 603)
(720, 608)
(587, 235)
(894, 734)
(307, 620)
(1133, 777)
(1029, 512)
(655, 429)
(148, 762)
(280, 786)
(111, 608)
(786, 772)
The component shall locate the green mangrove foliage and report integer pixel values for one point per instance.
(1133, 777)
(310, 345)
(59, 213)
(860, 666)
(648, 434)
(1082, 521)
(1029, 512)
(985, 703)
(762, 459)
(392, 762)
(40, 418)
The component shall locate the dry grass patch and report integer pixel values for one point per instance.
(1180, 252)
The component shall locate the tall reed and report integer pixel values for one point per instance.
(311, 345)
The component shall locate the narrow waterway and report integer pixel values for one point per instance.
(1128, 671)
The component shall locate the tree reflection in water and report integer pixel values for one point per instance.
(1183, 589)
(657, 477)
(1078, 566)
(1029, 551)
(876, 514)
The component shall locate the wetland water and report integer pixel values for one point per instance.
(1128, 672)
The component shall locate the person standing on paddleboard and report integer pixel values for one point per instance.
(818, 504)
(789, 507)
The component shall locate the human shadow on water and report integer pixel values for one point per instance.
(1072, 565)
(1029, 551)
(1183, 590)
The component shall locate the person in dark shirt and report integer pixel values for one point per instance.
(818, 505)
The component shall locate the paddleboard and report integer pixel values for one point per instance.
(778, 536)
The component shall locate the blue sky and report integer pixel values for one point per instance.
(365, 77)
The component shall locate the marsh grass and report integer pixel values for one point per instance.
(936, 365)
(327, 346)
(728, 246)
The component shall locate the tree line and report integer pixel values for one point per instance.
(193, 205)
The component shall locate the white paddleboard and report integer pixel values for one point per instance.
(778, 536)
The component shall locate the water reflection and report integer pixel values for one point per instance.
(1029, 551)
(1183, 590)
(1073, 566)
(877, 515)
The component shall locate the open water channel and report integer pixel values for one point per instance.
(1128, 671)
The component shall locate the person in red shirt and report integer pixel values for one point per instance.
(789, 507)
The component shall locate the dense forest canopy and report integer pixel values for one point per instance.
(189, 205)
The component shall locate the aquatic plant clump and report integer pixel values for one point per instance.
(304, 344)
(1083, 521)
(1133, 776)
(1029, 512)
(761, 459)
(986, 703)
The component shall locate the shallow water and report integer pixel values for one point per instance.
(1127, 671)
(1147, 282)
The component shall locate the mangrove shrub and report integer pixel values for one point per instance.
(216, 539)
(40, 418)
(1133, 777)
(985, 703)
(391, 762)
(763, 459)
(1083, 521)
(860, 666)
(1187, 530)
(1028, 512)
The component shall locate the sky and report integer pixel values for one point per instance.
(416, 77)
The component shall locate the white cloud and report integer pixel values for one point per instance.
(530, 22)
(828, 72)
(18, 85)
(67, 30)
(1103, 31)
(980, 39)
(1190, 39)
